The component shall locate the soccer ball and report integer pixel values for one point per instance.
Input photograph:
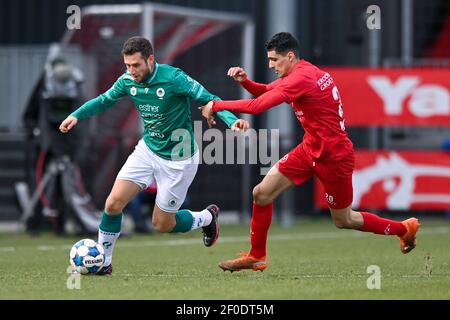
(87, 256)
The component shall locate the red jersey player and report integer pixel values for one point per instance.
(326, 150)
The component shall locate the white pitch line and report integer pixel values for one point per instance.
(287, 276)
(46, 248)
(236, 239)
(278, 237)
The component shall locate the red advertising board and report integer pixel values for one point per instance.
(398, 181)
(381, 97)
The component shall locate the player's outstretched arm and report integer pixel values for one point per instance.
(207, 113)
(68, 124)
(264, 102)
(238, 125)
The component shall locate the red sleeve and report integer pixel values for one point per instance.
(265, 101)
(274, 84)
(256, 88)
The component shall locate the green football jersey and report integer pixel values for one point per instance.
(163, 102)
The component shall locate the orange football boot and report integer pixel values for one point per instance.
(245, 261)
(408, 240)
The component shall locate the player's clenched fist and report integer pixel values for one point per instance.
(68, 124)
(208, 113)
(239, 125)
(237, 73)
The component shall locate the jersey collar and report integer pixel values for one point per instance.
(153, 74)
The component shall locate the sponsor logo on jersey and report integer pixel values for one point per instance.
(148, 108)
(133, 91)
(325, 81)
(299, 114)
(154, 134)
(160, 93)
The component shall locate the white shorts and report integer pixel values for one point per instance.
(173, 178)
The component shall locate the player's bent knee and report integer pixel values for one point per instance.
(114, 205)
(260, 197)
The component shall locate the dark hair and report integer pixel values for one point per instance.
(282, 43)
(137, 44)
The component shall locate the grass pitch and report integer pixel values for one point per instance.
(311, 260)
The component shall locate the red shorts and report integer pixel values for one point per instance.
(336, 176)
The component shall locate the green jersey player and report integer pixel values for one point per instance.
(167, 154)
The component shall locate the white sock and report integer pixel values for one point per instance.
(107, 240)
(201, 218)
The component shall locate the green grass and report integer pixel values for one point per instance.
(312, 260)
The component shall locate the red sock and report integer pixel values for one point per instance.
(375, 224)
(261, 220)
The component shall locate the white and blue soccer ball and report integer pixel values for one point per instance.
(87, 256)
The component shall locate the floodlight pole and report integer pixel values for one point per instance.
(147, 21)
(407, 32)
(247, 62)
(374, 58)
(283, 17)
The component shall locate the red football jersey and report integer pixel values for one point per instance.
(315, 100)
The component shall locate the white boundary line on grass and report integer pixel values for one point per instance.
(277, 237)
